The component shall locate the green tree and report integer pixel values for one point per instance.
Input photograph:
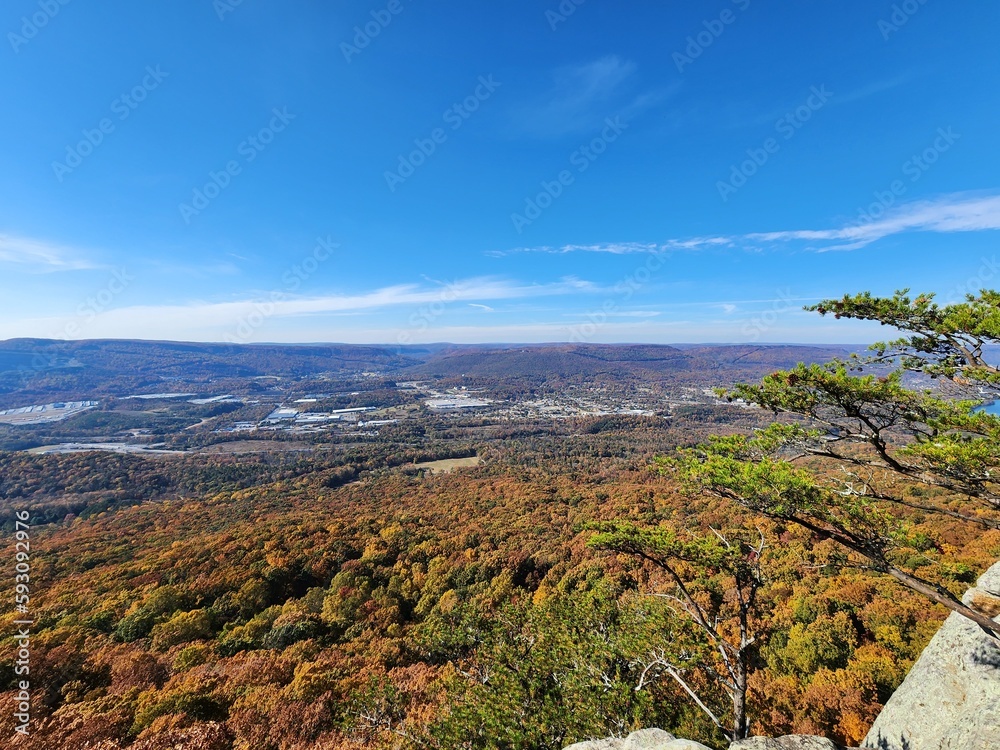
(716, 579)
(943, 341)
(554, 672)
(862, 432)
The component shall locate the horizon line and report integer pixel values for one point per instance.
(384, 345)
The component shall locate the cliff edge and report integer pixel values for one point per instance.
(950, 700)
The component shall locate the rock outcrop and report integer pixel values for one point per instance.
(950, 700)
(657, 739)
(788, 742)
(644, 739)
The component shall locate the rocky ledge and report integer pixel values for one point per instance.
(950, 700)
(657, 739)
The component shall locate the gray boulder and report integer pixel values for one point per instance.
(608, 744)
(950, 700)
(648, 739)
(788, 742)
(644, 739)
(680, 744)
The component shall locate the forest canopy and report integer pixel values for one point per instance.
(585, 579)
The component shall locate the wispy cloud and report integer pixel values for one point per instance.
(617, 248)
(40, 256)
(197, 270)
(204, 320)
(614, 248)
(944, 215)
(618, 314)
(948, 214)
(569, 105)
(581, 96)
(874, 88)
(838, 98)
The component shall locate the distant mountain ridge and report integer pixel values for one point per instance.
(634, 359)
(56, 369)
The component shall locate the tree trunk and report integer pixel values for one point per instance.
(988, 624)
(740, 728)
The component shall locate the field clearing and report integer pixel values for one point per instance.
(447, 465)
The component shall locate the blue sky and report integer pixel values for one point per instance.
(404, 172)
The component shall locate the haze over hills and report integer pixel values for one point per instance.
(193, 358)
(594, 359)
